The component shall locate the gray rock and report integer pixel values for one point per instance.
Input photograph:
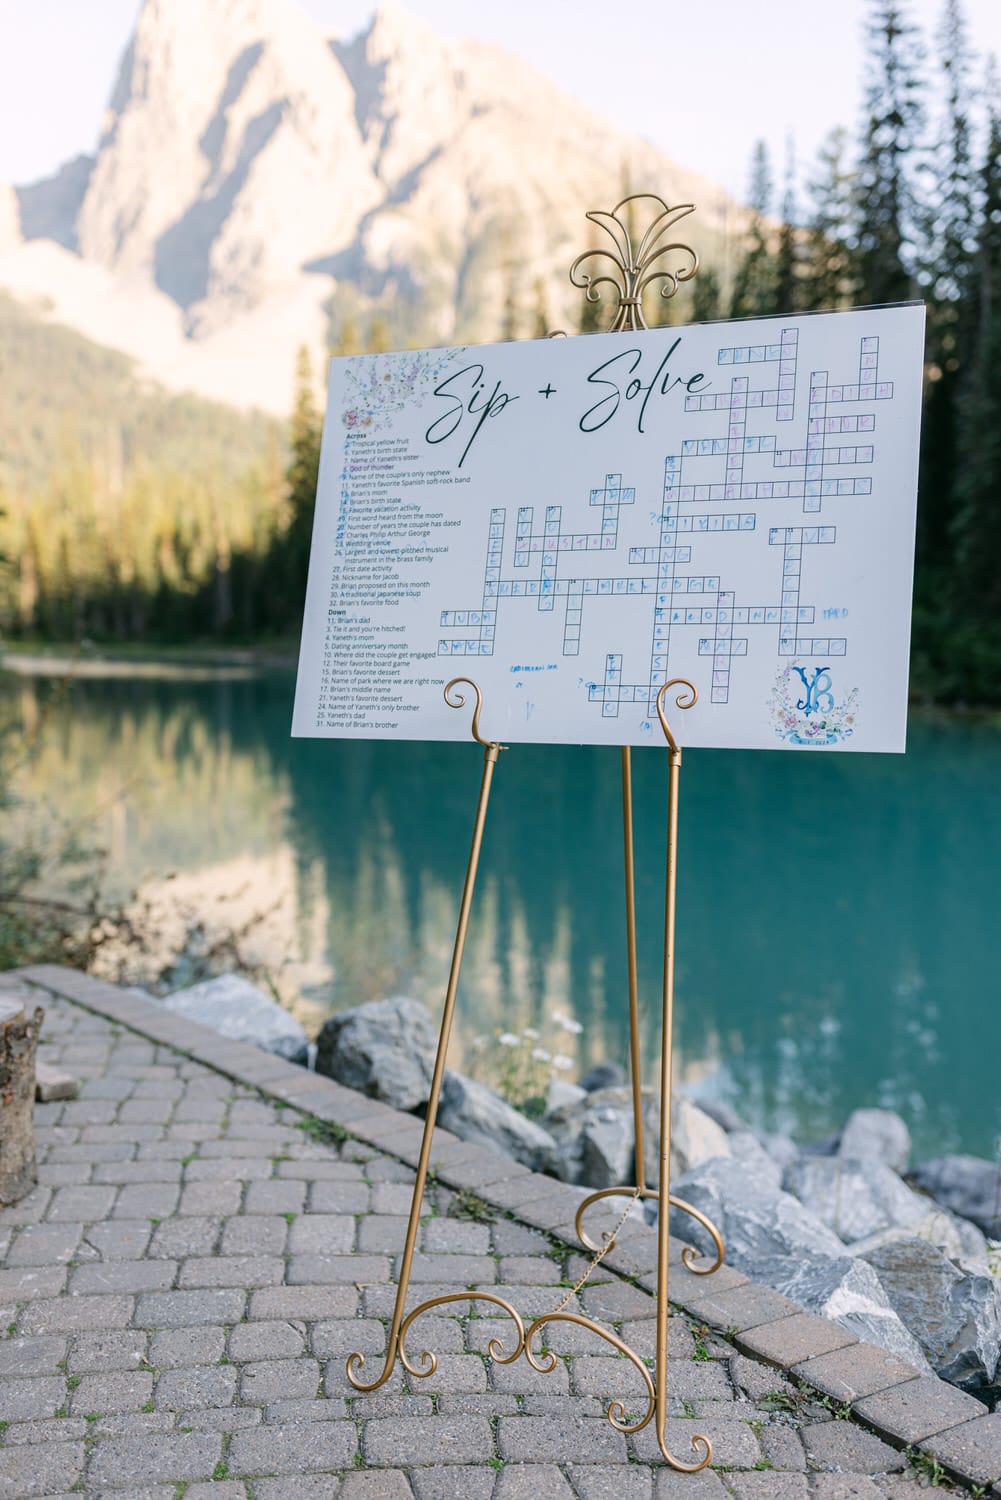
(955, 1317)
(725, 1116)
(561, 1093)
(237, 1009)
(973, 1247)
(606, 1075)
(595, 1138)
(746, 1146)
(938, 1228)
(757, 1220)
(695, 1138)
(781, 1148)
(968, 1185)
(854, 1198)
(879, 1135)
(385, 1049)
(475, 1113)
(849, 1292)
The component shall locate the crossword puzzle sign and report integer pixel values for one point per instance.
(573, 522)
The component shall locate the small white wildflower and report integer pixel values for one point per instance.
(557, 1016)
(541, 1055)
(569, 1024)
(478, 1043)
(508, 1039)
(562, 1062)
(530, 1034)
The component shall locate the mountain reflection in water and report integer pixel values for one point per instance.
(837, 933)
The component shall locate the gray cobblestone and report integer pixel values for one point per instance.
(453, 1483)
(536, 1439)
(183, 1309)
(279, 1380)
(39, 1470)
(303, 1487)
(123, 1276)
(124, 1350)
(324, 1234)
(26, 1400)
(54, 1430)
(247, 1391)
(206, 1199)
(76, 1314)
(147, 1200)
(253, 1234)
(42, 1244)
(196, 1385)
(232, 1271)
(339, 1197)
(173, 1347)
(175, 1457)
(120, 1239)
(180, 1237)
(532, 1482)
(295, 1302)
(28, 1282)
(24, 1356)
(80, 1204)
(431, 1440)
(269, 1341)
(389, 1485)
(601, 1481)
(295, 1449)
(842, 1445)
(120, 1391)
(275, 1197)
(217, 1489)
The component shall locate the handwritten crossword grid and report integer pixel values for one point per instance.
(816, 471)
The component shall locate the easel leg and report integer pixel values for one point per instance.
(634, 1017)
(701, 1444)
(357, 1361)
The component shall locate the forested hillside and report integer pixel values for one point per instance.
(131, 514)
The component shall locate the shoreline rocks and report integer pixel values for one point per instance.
(902, 1260)
(239, 1010)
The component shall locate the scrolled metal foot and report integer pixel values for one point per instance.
(545, 1361)
(356, 1362)
(689, 1255)
(699, 1443)
(495, 1348)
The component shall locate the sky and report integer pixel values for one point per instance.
(701, 81)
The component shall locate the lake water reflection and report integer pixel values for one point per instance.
(838, 927)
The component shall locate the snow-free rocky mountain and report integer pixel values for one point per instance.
(257, 182)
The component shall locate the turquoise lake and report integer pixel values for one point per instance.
(838, 927)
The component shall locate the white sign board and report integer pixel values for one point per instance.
(572, 522)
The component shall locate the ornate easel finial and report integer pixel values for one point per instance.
(633, 272)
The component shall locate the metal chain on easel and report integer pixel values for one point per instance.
(596, 1259)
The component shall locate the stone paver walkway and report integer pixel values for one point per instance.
(180, 1292)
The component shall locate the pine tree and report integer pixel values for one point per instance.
(753, 293)
(707, 298)
(301, 477)
(829, 270)
(978, 521)
(893, 118)
(787, 255)
(946, 265)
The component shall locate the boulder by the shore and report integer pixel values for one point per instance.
(384, 1048)
(239, 1010)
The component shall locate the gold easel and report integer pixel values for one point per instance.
(634, 274)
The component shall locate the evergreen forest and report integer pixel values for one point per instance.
(128, 515)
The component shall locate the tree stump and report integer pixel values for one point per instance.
(18, 1043)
